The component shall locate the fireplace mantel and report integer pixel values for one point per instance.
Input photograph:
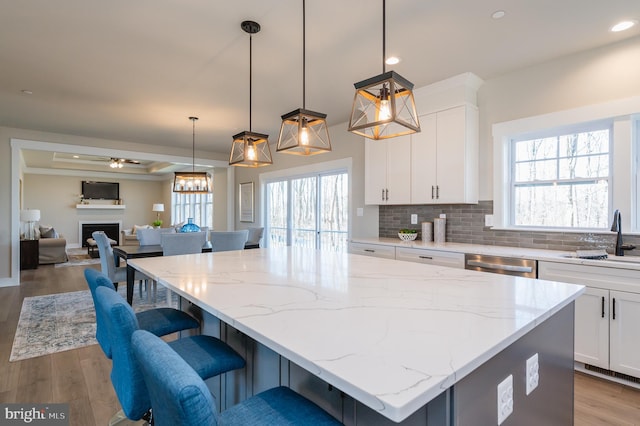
(101, 206)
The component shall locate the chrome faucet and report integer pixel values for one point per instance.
(617, 227)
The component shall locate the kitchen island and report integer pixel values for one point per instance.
(387, 340)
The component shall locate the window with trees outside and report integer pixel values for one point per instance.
(309, 211)
(196, 206)
(562, 180)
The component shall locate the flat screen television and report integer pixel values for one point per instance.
(100, 190)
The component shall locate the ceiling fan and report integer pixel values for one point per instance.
(116, 163)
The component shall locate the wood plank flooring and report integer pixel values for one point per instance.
(81, 377)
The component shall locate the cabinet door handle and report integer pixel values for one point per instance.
(382, 194)
(432, 188)
(426, 257)
(437, 192)
(387, 192)
(369, 250)
(614, 308)
(602, 306)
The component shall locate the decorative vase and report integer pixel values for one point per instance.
(190, 226)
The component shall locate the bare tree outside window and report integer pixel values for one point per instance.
(308, 212)
(562, 181)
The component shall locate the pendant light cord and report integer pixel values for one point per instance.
(304, 56)
(193, 144)
(250, 74)
(384, 35)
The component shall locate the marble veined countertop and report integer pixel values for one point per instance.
(391, 334)
(620, 262)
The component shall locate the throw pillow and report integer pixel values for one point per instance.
(49, 233)
(136, 227)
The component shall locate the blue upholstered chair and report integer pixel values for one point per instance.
(159, 321)
(254, 237)
(180, 397)
(183, 243)
(151, 237)
(225, 241)
(116, 274)
(207, 355)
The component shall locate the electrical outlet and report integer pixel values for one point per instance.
(359, 212)
(414, 219)
(505, 399)
(488, 220)
(443, 215)
(533, 376)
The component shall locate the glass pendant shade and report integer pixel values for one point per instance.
(384, 107)
(250, 149)
(190, 226)
(304, 132)
(192, 182)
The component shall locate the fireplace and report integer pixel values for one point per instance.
(112, 229)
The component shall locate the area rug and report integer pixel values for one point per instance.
(78, 257)
(64, 321)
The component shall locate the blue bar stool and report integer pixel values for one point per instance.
(159, 321)
(206, 355)
(180, 397)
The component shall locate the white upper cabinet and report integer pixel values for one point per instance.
(387, 171)
(439, 164)
(444, 157)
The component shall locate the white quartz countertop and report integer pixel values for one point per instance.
(391, 334)
(621, 262)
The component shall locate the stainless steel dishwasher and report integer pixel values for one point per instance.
(502, 265)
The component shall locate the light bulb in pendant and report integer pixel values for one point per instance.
(251, 152)
(304, 133)
(385, 111)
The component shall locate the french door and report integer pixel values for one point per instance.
(309, 211)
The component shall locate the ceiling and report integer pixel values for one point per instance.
(135, 71)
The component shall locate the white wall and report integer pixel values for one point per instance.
(56, 198)
(587, 78)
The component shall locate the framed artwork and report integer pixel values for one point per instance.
(246, 202)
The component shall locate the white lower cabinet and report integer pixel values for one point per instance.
(375, 250)
(431, 257)
(607, 315)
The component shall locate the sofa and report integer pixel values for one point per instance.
(51, 245)
(130, 236)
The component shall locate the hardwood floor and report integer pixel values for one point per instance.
(81, 377)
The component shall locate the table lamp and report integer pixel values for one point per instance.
(159, 207)
(30, 216)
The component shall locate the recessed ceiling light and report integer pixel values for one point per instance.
(76, 156)
(498, 14)
(621, 26)
(27, 92)
(392, 60)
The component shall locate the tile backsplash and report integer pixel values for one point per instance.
(465, 224)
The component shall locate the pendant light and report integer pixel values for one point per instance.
(250, 149)
(304, 132)
(383, 106)
(192, 182)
